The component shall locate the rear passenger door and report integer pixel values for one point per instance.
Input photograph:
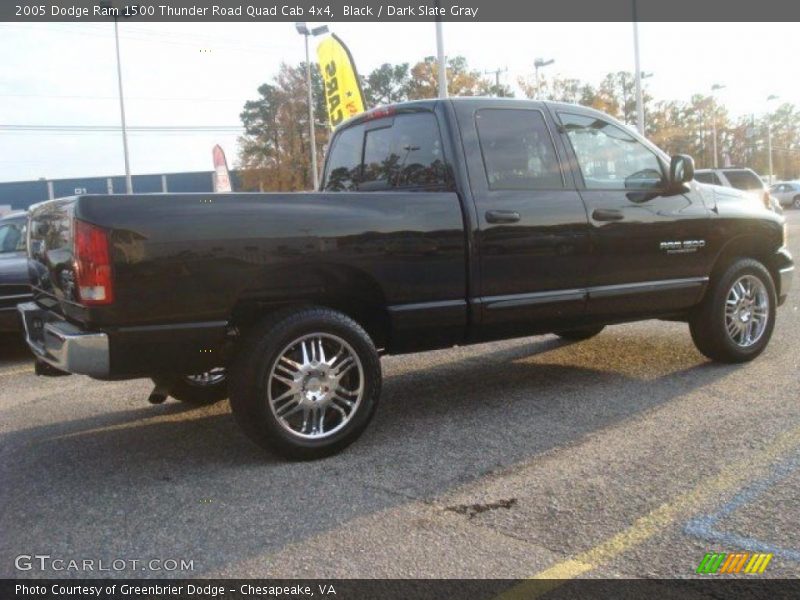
(532, 233)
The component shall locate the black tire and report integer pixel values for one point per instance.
(191, 390)
(251, 376)
(708, 323)
(584, 333)
(796, 202)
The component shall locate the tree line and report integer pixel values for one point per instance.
(274, 152)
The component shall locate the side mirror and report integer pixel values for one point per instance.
(681, 169)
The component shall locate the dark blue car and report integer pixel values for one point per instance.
(14, 287)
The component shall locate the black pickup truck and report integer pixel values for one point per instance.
(439, 223)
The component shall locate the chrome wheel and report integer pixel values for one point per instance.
(315, 386)
(746, 311)
(212, 377)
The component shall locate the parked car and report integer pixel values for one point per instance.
(14, 287)
(741, 179)
(787, 193)
(438, 223)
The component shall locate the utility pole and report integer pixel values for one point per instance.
(496, 74)
(538, 64)
(769, 137)
(714, 88)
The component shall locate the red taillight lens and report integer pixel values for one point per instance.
(93, 265)
(767, 202)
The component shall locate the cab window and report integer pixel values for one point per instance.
(518, 152)
(609, 157)
(708, 177)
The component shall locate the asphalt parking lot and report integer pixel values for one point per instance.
(628, 455)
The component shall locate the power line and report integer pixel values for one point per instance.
(118, 128)
(91, 97)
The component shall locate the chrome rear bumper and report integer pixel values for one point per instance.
(63, 345)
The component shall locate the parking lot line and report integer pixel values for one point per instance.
(729, 478)
(705, 526)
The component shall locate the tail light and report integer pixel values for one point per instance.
(767, 202)
(93, 265)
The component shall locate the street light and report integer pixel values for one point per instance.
(714, 88)
(302, 29)
(770, 98)
(538, 64)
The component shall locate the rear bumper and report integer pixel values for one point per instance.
(63, 345)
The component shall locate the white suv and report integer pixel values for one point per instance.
(741, 179)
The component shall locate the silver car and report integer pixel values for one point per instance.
(787, 193)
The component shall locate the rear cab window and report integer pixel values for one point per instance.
(403, 152)
(12, 236)
(744, 179)
(707, 177)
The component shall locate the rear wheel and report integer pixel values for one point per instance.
(306, 384)
(583, 333)
(200, 389)
(735, 321)
(796, 202)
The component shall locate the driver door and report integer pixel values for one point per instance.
(649, 249)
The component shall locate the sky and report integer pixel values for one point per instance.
(201, 74)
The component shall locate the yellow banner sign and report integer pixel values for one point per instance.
(343, 93)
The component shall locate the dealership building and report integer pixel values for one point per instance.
(19, 195)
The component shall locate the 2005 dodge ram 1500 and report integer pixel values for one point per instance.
(439, 223)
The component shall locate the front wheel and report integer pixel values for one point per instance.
(796, 202)
(735, 321)
(306, 383)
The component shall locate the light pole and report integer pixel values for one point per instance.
(302, 29)
(538, 64)
(640, 103)
(714, 88)
(770, 98)
(128, 181)
(440, 54)
(638, 78)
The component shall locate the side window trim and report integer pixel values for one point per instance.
(559, 159)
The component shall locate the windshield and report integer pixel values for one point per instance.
(12, 237)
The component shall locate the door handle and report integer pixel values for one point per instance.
(502, 216)
(607, 214)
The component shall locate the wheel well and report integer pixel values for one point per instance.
(348, 292)
(746, 247)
